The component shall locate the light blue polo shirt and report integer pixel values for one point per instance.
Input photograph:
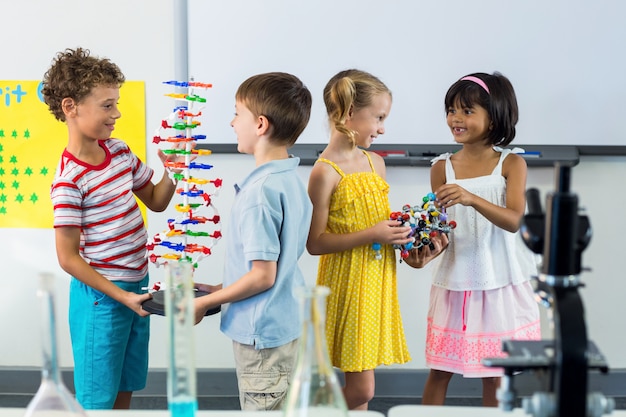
(269, 221)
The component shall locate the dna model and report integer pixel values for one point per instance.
(180, 240)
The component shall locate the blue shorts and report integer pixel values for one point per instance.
(109, 343)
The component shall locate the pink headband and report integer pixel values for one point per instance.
(477, 81)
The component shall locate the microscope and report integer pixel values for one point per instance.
(561, 234)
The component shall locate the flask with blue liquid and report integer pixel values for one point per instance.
(179, 312)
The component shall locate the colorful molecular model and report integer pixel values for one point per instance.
(196, 206)
(426, 222)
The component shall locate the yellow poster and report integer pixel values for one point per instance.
(31, 143)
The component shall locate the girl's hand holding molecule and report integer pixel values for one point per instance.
(426, 223)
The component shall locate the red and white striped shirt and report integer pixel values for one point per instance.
(100, 200)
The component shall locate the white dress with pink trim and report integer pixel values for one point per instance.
(481, 292)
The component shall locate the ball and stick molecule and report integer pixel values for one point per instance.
(195, 193)
(426, 221)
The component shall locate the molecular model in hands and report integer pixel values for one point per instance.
(195, 192)
(426, 221)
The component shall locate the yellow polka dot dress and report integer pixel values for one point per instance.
(363, 322)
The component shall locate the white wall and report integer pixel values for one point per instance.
(138, 36)
(418, 48)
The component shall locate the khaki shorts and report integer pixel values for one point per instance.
(263, 375)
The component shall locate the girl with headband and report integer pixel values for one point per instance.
(481, 292)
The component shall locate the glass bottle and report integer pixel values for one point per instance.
(314, 389)
(179, 312)
(52, 398)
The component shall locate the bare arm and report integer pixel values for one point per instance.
(67, 247)
(157, 197)
(322, 183)
(207, 287)
(437, 175)
(261, 277)
(509, 217)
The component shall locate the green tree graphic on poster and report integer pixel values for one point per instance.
(31, 143)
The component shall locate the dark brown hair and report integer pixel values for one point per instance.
(73, 74)
(500, 103)
(283, 99)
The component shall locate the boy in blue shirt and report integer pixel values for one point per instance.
(268, 228)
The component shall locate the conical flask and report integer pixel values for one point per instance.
(314, 389)
(52, 398)
(180, 315)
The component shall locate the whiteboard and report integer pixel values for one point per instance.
(564, 58)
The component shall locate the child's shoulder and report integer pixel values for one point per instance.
(513, 163)
(378, 163)
(441, 158)
(275, 176)
(114, 143)
(119, 148)
(324, 166)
